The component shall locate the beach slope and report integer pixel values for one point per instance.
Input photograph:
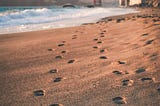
(112, 62)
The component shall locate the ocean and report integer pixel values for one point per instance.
(24, 19)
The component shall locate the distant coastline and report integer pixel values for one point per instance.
(53, 2)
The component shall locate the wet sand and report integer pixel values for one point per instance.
(112, 62)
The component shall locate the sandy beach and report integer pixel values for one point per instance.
(108, 63)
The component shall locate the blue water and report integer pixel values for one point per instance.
(23, 19)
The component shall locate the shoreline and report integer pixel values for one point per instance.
(111, 62)
(110, 18)
(41, 27)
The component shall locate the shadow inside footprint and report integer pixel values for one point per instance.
(63, 41)
(95, 47)
(95, 39)
(102, 33)
(53, 71)
(99, 42)
(154, 56)
(119, 100)
(58, 57)
(158, 90)
(110, 19)
(71, 61)
(102, 50)
(140, 70)
(146, 34)
(63, 51)
(39, 93)
(147, 79)
(103, 57)
(61, 44)
(50, 49)
(149, 42)
(121, 62)
(74, 38)
(127, 82)
(102, 36)
(117, 72)
(58, 79)
(56, 104)
(126, 72)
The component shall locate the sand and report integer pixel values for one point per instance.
(112, 62)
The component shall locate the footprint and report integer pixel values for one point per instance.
(145, 34)
(39, 93)
(58, 57)
(63, 51)
(158, 90)
(140, 70)
(127, 82)
(110, 19)
(102, 33)
(61, 44)
(95, 47)
(102, 36)
(102, 51)
(121, 62)
(56, 104)
(74, 38)
(155, 20)
(145, 22)
(147, 79)
(53, 71)
(50, 49)
(118, 20)
(74, 35)
(103, 57)
(58, 79)
(149, 42)
(117, 72)
(119, 100)
(71, 61)
(95, 39)
(126, 72)
(63, 41)
(153, 56)
(99, 42)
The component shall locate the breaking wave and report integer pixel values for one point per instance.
(44, 18)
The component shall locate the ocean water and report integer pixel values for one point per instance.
(24, 19)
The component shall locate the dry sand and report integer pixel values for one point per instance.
(104, 64)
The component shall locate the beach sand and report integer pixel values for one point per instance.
(112, 62)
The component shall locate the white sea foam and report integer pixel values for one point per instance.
(44, 18)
